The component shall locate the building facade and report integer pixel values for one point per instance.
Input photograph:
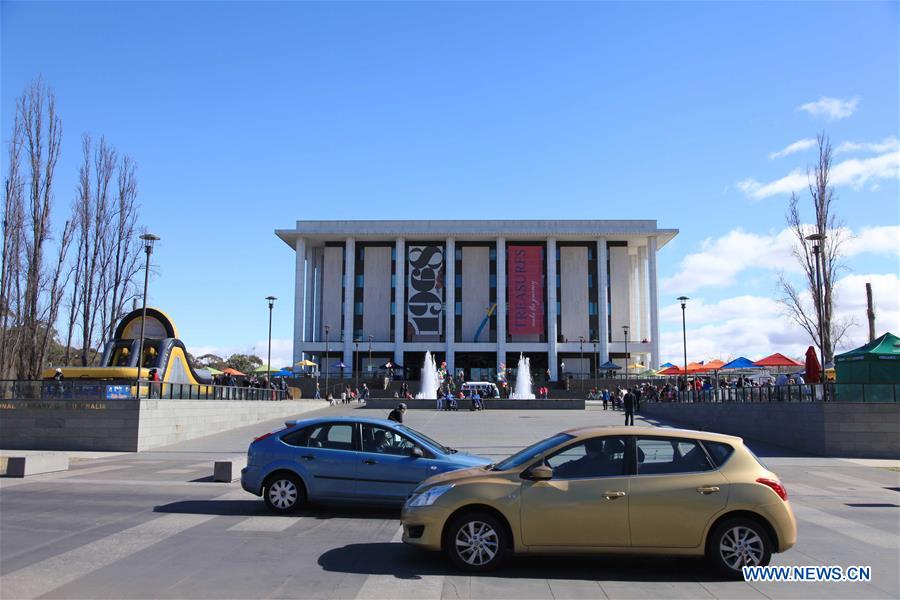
(570, 295)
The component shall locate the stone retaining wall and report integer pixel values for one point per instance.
(848, 429)
(129, 425)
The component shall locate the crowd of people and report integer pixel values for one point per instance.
(228, 380)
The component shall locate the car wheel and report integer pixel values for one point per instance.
(476, 541)
(284, 493)
(736, 543)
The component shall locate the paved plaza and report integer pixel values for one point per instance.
(154, 525)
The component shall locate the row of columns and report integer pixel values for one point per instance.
(642, 274)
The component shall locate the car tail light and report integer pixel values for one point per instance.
(776, 487)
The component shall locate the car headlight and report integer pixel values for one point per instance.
(428, 497)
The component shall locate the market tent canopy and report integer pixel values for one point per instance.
(777, 360)
(714, 365)
(666, 365)
(876, 362)
(213, 371)
(636, 366)
(305, 363)
(673, 370)
(609, 366)
(265, 369)
(235, 372)
(739, 363)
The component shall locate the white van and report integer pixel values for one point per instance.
(486, 389)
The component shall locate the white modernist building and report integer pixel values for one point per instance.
(570, 295)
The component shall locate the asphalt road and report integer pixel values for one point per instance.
(154, 525)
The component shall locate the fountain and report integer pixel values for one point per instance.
(522, 390)
(430, 380)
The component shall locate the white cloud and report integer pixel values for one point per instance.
(798, 146)
(755, 326)
(832, 109)
(853, 172)
(886, 145)
(282, 351)
(720, 260)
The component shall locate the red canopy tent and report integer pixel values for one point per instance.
(777, 360)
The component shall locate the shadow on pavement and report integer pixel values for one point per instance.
(408, 563)
(252, 508)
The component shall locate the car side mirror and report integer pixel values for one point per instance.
(416, 452)
(539, 473)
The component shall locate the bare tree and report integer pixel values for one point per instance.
(32, 288)
(93, 218)
(805, 313)
(124, 250)
(10, 271)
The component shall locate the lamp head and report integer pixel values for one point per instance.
(271, 300)
(816, 237)
(683, 300)
(149, 239)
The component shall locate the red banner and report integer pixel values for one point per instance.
(524, 276)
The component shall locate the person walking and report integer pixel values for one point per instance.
(318, 394)
(605, 397)
(628, 403)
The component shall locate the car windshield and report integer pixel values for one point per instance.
(523, 456)
(426, 439)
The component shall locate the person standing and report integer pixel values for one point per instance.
(628, 403)
(605, 397)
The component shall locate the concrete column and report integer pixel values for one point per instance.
(450, 302)
(633, 306)
(501, 301)
(309, 297)
(642, 291)
(654, 305)
(299, 297)
(603, 308)
(319, 261)
(551, 309)
(399, 299)
(349, 287)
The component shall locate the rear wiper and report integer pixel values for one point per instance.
(489, 467)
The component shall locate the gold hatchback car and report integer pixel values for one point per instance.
(610, 490)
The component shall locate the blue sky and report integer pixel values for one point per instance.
(244, 117)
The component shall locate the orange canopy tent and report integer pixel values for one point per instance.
(235, 372)
(777, 360)
(714, 365)
(691, 368)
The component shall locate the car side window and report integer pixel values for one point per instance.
(596, 457)
(660, 456)
(385, 441)
(296, 438)
(718, 451)
(336, 436)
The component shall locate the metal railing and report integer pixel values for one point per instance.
(76, 389)
(830, 392)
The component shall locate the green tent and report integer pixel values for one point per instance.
(877, 364)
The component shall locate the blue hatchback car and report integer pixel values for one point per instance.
(345, 459)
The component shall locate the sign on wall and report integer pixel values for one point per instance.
(424, 307)
(525, 289)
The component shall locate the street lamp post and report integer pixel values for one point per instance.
(327, 329)
(596, 363)
(149, 240)
(581, 360)
(625, 330)
(683, 300)
(271, 300)
(817, 239)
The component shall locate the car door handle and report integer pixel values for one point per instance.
(613, 495)
(369, 461)
(307, 457)
(708, 489)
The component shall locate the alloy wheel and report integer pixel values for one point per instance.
(477, 543)
(741, 546)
